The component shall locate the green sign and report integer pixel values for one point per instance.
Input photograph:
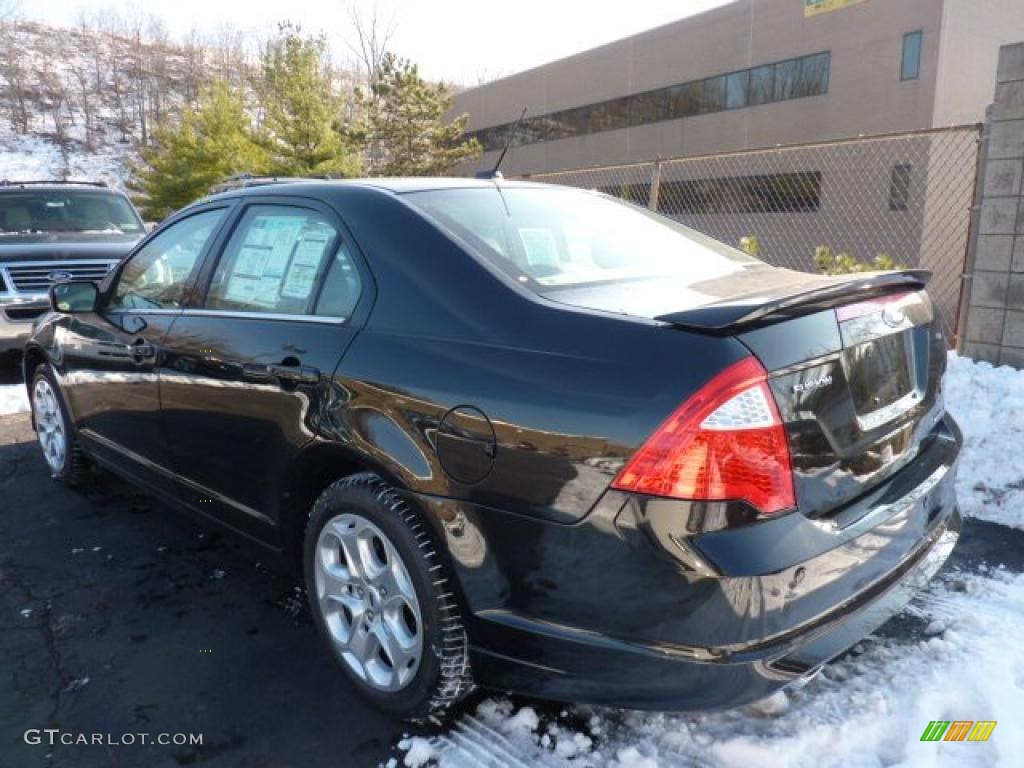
(814, 7)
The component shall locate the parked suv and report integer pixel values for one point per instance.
(55, 231)
(520, 436)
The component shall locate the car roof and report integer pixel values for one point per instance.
(12, 185)
(397, 185)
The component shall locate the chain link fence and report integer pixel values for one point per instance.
(901, 199)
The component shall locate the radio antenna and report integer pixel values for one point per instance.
(495, 173)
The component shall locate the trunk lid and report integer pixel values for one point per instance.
(855, 364)
(857, 409)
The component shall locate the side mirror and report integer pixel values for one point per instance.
(74, 297)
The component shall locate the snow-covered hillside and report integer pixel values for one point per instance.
(73, 102)
(35, 157)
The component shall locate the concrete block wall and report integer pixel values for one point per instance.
(994, 321)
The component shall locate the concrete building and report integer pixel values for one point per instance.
(753, 73)
(716, 87)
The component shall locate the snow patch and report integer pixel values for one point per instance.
(865, 711)
(988, 404)
(13, 398)
(418, 751)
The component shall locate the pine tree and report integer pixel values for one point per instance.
(211, 142)
(404, 129)
(300, 106)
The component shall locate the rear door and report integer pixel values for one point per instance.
(111, 357)
(249, 364)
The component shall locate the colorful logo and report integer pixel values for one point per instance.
(958, 730)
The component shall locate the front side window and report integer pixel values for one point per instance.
(551, 239)
(274, 261)
(158, 275)
(910, 68)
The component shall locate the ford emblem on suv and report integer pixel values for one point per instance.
(59, 276)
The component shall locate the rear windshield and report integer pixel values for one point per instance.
(549, 239)
(61, 210)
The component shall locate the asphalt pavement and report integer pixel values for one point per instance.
(121, 616)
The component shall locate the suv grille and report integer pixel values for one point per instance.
(36, 277)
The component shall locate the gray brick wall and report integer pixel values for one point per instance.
(994, 323)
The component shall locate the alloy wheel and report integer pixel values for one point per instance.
(49, 425)
(368, 602)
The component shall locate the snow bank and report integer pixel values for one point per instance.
(866, 711)
(13, 398)
(988, 403)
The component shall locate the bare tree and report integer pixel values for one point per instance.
(81, 73)
(118, 86)
(15, 74)
(485, 74)
(371, 38)
(156, 57)
(228, 53)
(194, 51)
(54, 92)
(10, 10)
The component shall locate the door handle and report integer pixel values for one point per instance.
(142, 350)
(300, 374)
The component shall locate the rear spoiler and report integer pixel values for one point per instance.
(743, 314)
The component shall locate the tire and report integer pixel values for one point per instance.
(413, 659)
(57, 439)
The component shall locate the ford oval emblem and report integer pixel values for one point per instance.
(60, 276)
(893, 316)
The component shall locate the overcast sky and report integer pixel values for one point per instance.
(457, 40)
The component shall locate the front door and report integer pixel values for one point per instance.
(248, 366)
(111, 356)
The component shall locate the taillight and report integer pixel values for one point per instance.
(725, 442)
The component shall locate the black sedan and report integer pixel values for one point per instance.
(517, 436)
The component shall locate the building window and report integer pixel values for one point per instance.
(786, 75)
(899, 188)
(736, 89)
(813, 77)
(798, 192)
(911, 66)
(762, 83)
(780, 81)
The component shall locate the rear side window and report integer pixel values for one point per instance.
(342, 287)
(157, 277)
(276, 260)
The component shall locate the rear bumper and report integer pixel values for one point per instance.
(594, 612)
